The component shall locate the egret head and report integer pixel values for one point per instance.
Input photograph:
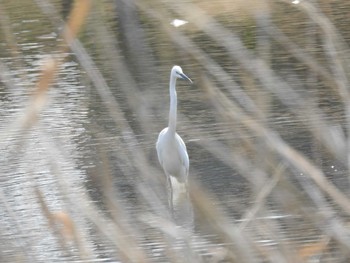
(177, 73)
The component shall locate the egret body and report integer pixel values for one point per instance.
(171, 149)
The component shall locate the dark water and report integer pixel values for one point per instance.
(62, 155)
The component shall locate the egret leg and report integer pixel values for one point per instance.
(170, 197)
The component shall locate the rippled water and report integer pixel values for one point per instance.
(62, 153)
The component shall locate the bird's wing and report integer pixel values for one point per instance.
(159, 153)
(183, 153)
(159, 145)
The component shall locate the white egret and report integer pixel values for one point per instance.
(171, 149)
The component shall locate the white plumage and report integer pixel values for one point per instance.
(171, 149)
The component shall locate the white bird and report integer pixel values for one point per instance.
(171, 149)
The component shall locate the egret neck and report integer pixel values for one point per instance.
(173, 105)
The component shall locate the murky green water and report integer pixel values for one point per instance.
(77, 140)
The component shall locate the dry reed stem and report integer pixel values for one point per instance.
(296, 103)
(240, 246)
(261, 196)
(312, 249)
(139, 160)
(76, 20)
(338, 51)
(282, 148)
(119, 232)
(115, 230)
(49, 216)
(229, 109)
(65, 224)
(121, 238)
(49, 70)
(39, 97)
(317, 174)
(301, 55)
(329, 135)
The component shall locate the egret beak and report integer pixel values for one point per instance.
(183, 76)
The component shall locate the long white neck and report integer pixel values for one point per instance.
(173, 105)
